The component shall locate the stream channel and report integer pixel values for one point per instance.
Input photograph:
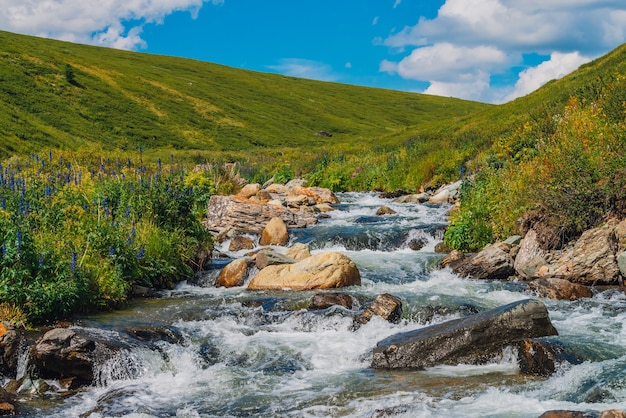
(248, 353)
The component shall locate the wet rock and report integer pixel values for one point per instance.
(234, 274)
(249, 190)
(386, 306)
(417, 244)
(473, 339)
(154, 333)
(320, 271)
(272, 258)
(299, 251)
(64, 352)
(275, 233)
(452, 257)
(385, 210)
(427, 314)
(559, 289)
(326, 300)
(240, 242)
(10, 341)
(535, 358)
(491, 263)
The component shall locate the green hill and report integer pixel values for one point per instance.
(113, 99)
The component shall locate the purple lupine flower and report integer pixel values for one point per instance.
(73, 264)
(40, 261)
(127, 211)
(18, 238)
(141, 253)
(111, 251)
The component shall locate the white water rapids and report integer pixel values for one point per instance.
(264, 354)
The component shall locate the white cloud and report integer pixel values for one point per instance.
(303, 68)
(469, 41)
(557, 66)
(102, 23)
(375, 21)
(397, 3)
(448, 62)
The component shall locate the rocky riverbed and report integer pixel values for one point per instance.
(392, 334)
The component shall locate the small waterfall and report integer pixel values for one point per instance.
(22, 361)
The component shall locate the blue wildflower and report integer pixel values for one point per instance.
(73, 264)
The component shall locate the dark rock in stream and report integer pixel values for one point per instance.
(66, 353)
(386, 306)
(583, 414)
(326, 300)
(474, 339)
(10, 342)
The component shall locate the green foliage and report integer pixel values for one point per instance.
(568, 168)
(77, 233)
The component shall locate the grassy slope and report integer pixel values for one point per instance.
(123, 100)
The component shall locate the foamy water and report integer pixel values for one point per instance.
(264, 354)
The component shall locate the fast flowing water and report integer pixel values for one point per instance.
(249, 353)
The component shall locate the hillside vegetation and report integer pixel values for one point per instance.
(62, 95)
(561, 169)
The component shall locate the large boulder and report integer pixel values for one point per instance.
(70, 353)
(234, 274)
(248, 216)
(473, 339)
(320, 271)
(591, 260)
(275, 233)
(493, 262)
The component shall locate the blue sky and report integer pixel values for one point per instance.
(486, 50)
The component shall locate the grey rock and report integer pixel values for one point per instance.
(473, 339)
